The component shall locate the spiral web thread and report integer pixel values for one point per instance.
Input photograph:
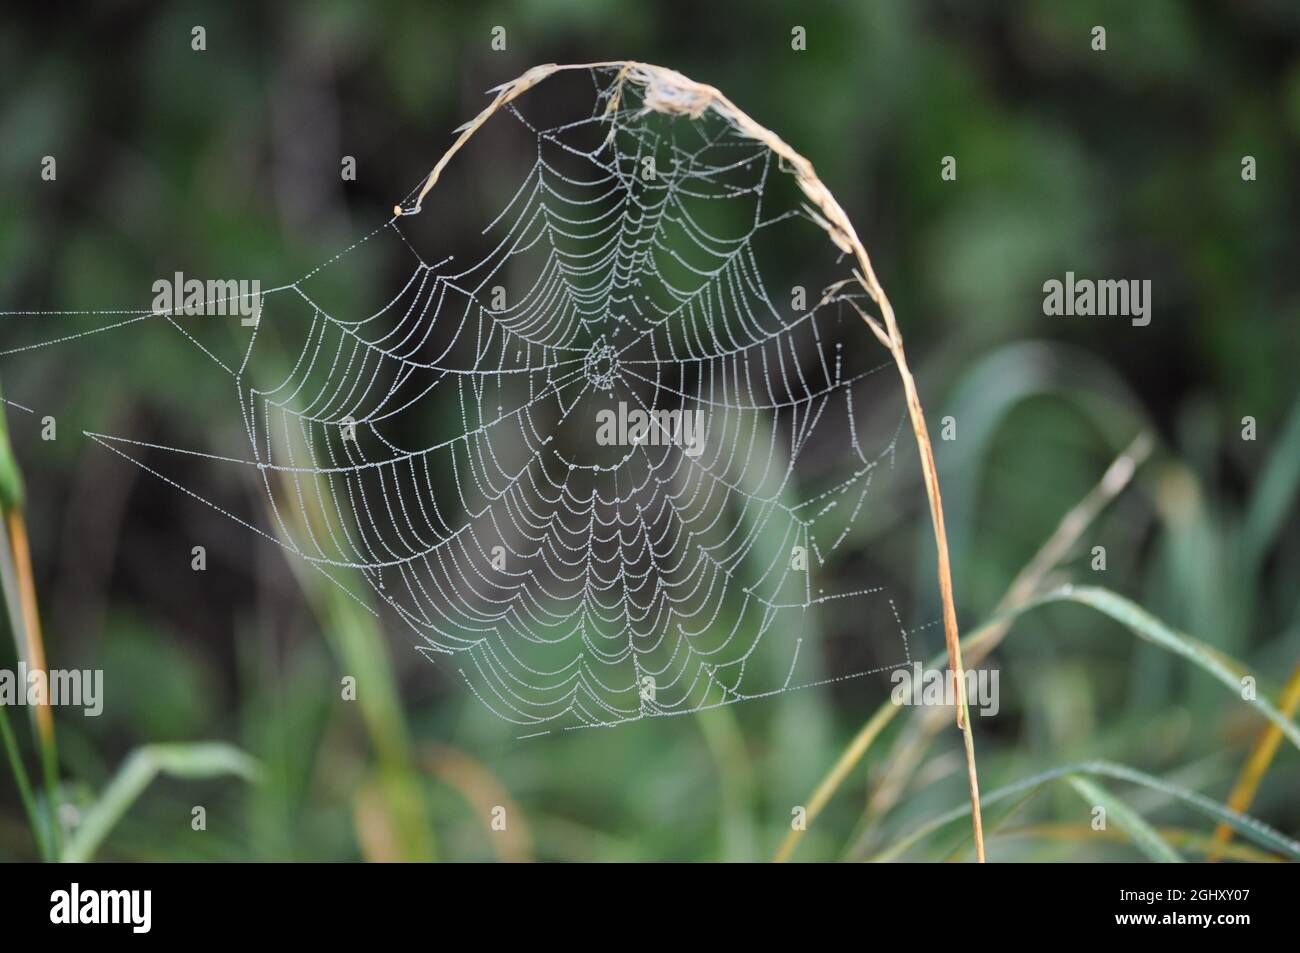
(574, 583)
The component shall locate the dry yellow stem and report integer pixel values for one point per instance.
(34, 646)
(1261, 756)
(668, 91)
(912, 745)
(480, 788)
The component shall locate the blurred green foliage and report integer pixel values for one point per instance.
(1123, 163)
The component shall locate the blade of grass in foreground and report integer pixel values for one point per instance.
(979, 644)
(1143, 835)
(24, 621)
(351, 628)
(1273, 498)
(1261, 756)
(190, 761)
(911, 744)
(1249, 827)
(1136, 619)
(9, 585)
(1179, 837)
(352, 631)
(24, 785)
(1150, 629)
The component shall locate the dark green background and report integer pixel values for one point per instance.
(1124, 163)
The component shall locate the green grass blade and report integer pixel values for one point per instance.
(1248, 827)
(1150, 629)
(188, 761)
(353, 633)
(1136, 619)
(989, 391)
(352, 629)
(24, 785)
(1276, 490)
(1143, 835)
(11, 479)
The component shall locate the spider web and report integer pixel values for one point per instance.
(435, 427)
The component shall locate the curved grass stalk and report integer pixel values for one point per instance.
(1144, 837)
(1150, 629)
(1249, 827)
(909, 749)
(1188, 840)
(1136, 619)
(24, 620)
(33, 651)
(1261, 756)
(203, 760)
(669, 92)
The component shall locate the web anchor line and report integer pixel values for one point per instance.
(441, 447)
